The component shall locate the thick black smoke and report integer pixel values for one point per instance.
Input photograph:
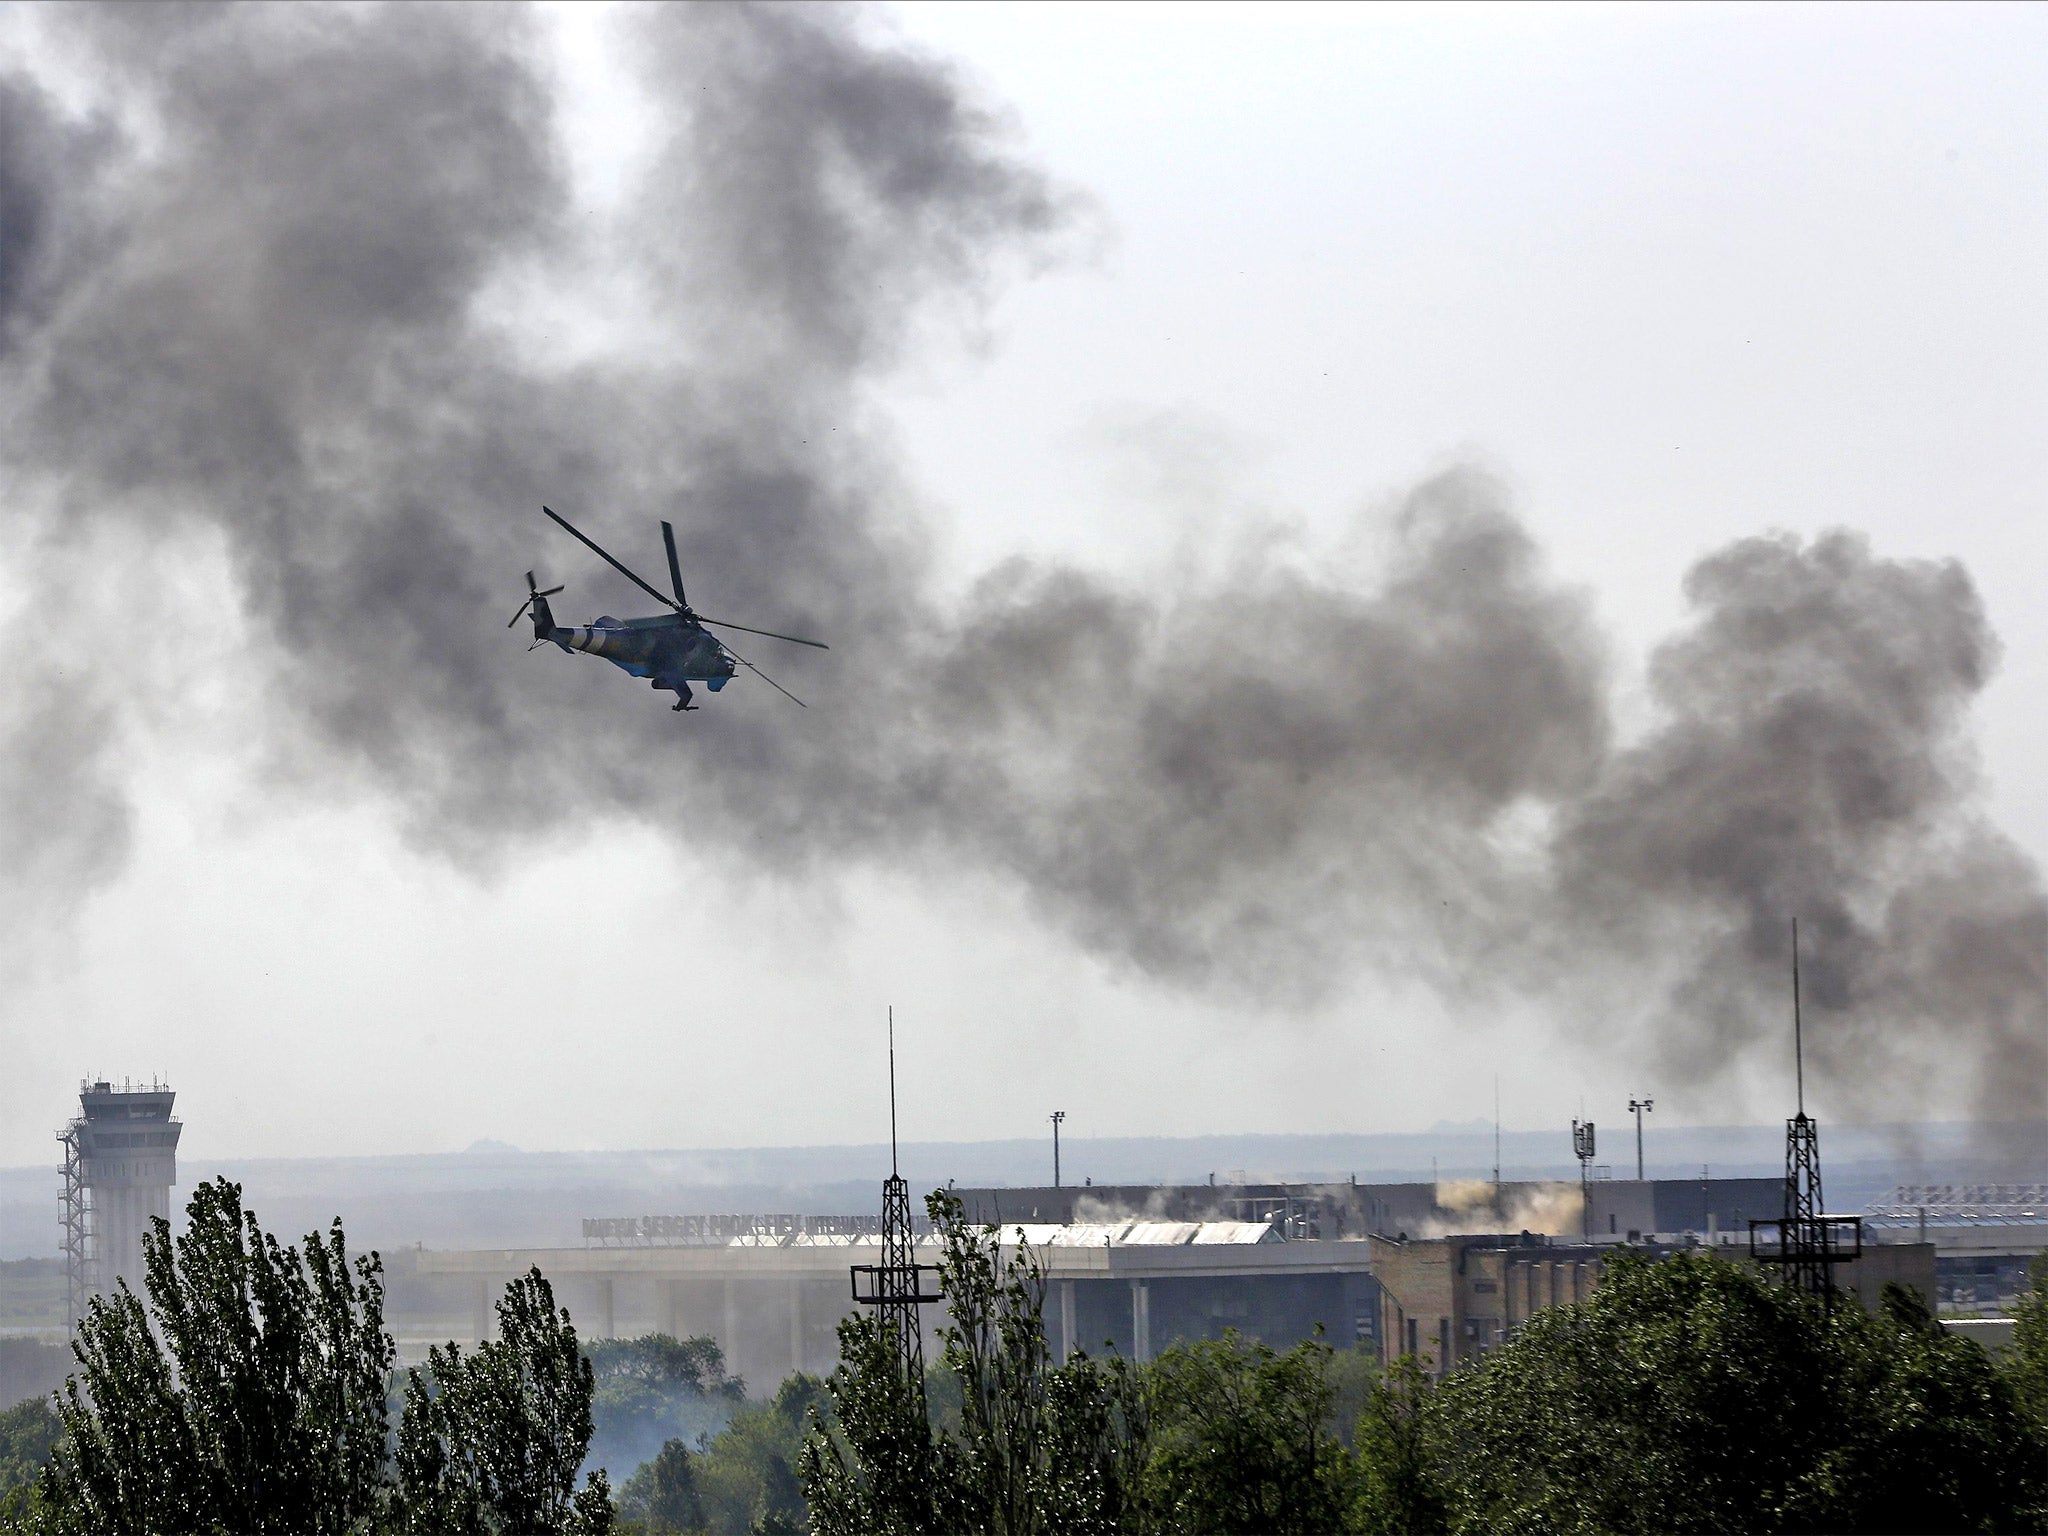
(270, 300)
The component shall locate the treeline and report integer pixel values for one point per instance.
(257, 1393)
(1688, 1394)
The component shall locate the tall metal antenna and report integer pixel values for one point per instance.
(1496, 1138)
(895, 1287)
(1798, 1036)
(1805, 1241)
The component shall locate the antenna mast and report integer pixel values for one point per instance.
(1496, 1144)
(895, 1287)
(1798, 1032)
(1807, 1242)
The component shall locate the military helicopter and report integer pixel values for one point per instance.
(670, 650)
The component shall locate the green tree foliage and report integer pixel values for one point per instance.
(747, 1476)
(1394, 1493)
(1685, 1395)
(868, 1466)
(2028, 1360)
(743, 1482)
(654, 1389)
(251, 1396)
(1931, 1437)
(1240, 1440)
(28, 1434)
(491, 1441)
(1222, 1436)
(1690, 1394)
(255, 1404)
(661, 1498)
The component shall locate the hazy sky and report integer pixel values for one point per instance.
(1671, 276)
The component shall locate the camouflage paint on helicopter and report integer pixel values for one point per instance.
(670, 650)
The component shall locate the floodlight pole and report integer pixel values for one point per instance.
(1640, 1107)
(1057, 1116)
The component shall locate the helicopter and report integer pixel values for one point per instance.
(671, 650)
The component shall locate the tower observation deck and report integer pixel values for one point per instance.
(121, 1159)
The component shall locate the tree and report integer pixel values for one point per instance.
(2027, 1368)
(869, 1465)
(1690, 1394)
(1395, 1493)
(1240, 1439)
(1932, 1437)
(251, 1396)
(654, 1389)
(256, 1404)
(1686, 1395)
(747, 1476)
(662, 1496)
(29, 1432)
(1039, 1447)
(492, 1440)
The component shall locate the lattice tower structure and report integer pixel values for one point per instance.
(895, 1286)
(80, 1273)
(1804, 1235)
(1809, 1242)
(898, 1282)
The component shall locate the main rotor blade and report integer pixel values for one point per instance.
(675, 571)
(736, 656)
(599, 550)
(771, 634)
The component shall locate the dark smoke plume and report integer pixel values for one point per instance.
(267, 300)
(1812, 763)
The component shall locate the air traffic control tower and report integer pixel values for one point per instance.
(120, 1160)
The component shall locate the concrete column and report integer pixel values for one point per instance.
(1141, 1322)
(730, 1323)
(607, 1313)
(675, 1307)
(796, 1325)
(1066, 1320)
(481, 1315)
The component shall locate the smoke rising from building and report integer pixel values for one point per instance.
(1475, 1205)
(270, 294)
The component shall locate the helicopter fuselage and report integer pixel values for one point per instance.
(667, 649)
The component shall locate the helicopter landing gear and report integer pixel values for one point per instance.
(683, 697)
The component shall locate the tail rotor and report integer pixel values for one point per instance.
(533, 596)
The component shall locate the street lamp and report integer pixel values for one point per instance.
(1057, 1116)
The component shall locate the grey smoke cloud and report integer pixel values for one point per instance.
(1813, 762)
(275, 319)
